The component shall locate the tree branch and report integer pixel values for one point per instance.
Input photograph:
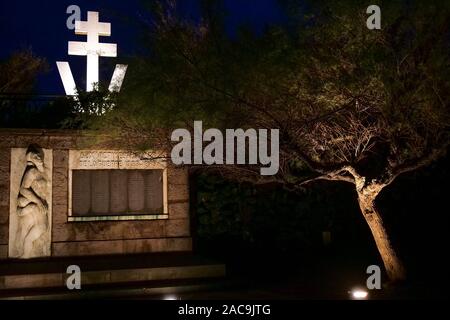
(336, 175)
(420, 162)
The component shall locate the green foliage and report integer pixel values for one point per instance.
(341, 95)
(31, 112)
(89, 109)
(19, 107)
(393, 81)
(271, 218)
(19, 72)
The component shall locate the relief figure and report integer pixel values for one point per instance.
(32, 206)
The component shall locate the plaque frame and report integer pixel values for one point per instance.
(119, 160)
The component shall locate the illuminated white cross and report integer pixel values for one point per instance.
(92, 48)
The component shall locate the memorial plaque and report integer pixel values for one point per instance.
(97, 160)
(119, 192)
(153, 191)
(104, 159)
(116, 183)
(100, 191)
(136, 187)
(81, 192)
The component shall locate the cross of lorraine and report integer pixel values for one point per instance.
(93, 50)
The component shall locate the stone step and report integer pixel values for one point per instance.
(107, 270)
(165, 290)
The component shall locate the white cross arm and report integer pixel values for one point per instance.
(77, 48)
(107, 50)
(103, 28)
(93, 25)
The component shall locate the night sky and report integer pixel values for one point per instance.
(41, 26)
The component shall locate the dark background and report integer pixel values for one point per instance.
(263, 233)
(269, 233)
(41, 26)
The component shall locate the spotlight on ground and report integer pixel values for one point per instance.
(170, 297)
(359, 294)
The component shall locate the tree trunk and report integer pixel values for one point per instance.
(394, 267)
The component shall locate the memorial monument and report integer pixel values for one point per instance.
(64, 194)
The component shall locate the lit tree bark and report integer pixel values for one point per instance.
(393, 265)
(367, 192)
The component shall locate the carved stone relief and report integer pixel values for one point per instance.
(30, 202)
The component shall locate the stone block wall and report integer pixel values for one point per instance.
(94, 237)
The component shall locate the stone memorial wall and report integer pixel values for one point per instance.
(65, 151)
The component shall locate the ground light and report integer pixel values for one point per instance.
(359, 294)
